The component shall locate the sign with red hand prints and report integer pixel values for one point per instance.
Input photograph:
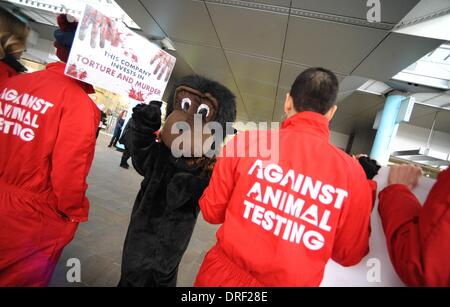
(107, 54)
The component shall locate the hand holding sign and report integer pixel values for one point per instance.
(102, 27)
(165, 64)
(406, 174)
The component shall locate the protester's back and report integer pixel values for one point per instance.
(47, 139)
(283, 218)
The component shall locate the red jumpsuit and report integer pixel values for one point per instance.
(418, 238)
(284, 218)
(47, 141)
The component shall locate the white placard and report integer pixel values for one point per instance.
(107, 54)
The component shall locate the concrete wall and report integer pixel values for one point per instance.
(363, 141)
(339, 139)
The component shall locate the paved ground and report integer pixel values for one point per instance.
(98, 243)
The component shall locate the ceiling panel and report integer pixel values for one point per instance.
(440, 101)
(252, 31)
(426, 121)
(421, 111)
(347, 86)
(394, 54)
(425, 8)
(289, 73)
(278, 111)
(351, 83)
(284, 3)
(183, 20)
(253, 67)
(360, 104)
(336, 46)
(255, 77)
(256, 88)
(391, 11)
(142, 18)
(348, 123)
(202, 57)
(259, 106)
(423, 97)
(211, 63)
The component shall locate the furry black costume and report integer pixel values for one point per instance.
(166, 207)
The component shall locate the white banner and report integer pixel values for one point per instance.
(107, 54)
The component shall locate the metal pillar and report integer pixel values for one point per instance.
(387, 129)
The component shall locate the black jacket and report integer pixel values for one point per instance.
(166, 207)
(126, 133)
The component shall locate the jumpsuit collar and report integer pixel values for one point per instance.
(310, 122)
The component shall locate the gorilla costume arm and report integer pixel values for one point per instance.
(145, 122)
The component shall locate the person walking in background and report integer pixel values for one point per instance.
(13, 38)
(118, 129)
(44, 162)
(417, 237)
(103, 119)
(126, 155)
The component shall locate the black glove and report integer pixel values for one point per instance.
(148, 116)
(370, 166)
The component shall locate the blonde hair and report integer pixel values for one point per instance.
(13, 34)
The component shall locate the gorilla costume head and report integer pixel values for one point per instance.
(197, 100)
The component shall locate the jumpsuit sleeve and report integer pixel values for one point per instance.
(146, 121)
(351, 243)
(417, 236)
(399, 210)
(408, 228)
(73, 154)
(214, 200)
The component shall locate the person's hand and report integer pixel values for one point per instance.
(165, 64)
(103, 28)
(406, 174)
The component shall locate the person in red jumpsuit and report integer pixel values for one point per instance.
(417, 236)
(13, 38)
(284, 215)
(48, 129)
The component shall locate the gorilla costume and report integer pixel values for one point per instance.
(166, 207)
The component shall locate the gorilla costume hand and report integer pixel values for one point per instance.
(148, 116)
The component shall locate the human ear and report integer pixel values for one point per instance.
(330, 114)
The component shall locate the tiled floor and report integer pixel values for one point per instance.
(98, 243)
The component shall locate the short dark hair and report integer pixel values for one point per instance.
(315, 89)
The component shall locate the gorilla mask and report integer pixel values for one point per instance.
(196, 111)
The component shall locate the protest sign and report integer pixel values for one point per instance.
(107, 54)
